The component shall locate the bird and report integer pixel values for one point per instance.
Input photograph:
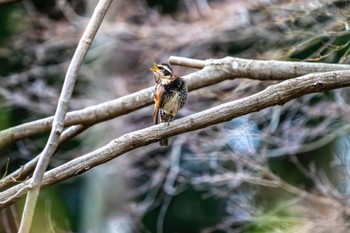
(169, 95)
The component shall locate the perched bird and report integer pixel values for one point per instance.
(170, 95)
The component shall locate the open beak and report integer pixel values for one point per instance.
(155, 68)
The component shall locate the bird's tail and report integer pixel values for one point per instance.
(156, 120)
(156, 115)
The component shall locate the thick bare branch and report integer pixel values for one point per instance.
(259, 69)
(277, 94)
(215, 71)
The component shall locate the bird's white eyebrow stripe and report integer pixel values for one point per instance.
(166, 68)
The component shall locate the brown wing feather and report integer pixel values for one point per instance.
(158, 95)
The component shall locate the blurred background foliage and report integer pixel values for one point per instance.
(283, 169)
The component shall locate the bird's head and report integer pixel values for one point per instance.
(163, 71)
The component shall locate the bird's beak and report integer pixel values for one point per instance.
(155, 68)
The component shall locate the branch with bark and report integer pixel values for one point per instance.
(61, 110)
(312, 77)
(213, 72)
(277, 94)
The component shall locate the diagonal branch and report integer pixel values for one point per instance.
(277, 94)
(214, 71)
(95, 114)
(61, 110)
(26, 169)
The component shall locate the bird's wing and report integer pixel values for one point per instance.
(158, 96)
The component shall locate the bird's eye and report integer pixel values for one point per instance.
(166, 72)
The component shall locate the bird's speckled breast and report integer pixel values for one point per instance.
(174, 97)
(172, 105)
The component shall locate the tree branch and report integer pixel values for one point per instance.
(259, 69)
(94, 114)
(62, 107)
(26, 169)
(214, 71)
(277, 94)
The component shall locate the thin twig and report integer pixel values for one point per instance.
(215, 71)
(310, 146)
(62, 107)
(273, 95)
